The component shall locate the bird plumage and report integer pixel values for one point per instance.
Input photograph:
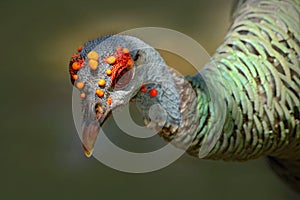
(256, 71)
(244, 104)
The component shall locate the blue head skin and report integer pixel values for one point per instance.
(148, 70)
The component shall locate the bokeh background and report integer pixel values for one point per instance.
(41, 155)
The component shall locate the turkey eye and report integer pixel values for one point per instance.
(124, 78)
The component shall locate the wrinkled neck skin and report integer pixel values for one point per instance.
(193, 122)
(164, 107)
(203, 113)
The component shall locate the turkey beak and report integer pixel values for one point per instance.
(89, 135)
(94, 118)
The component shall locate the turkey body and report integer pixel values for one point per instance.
(256, 73)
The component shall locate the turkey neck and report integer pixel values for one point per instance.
(216, 125)
(256, 71)
(246, 102)
(202, 119)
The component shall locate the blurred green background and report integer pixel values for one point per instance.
(41, 155)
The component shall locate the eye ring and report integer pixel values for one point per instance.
(124, 79)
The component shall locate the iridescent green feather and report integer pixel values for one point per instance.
(257, 71)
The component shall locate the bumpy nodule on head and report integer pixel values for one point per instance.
(112, 70)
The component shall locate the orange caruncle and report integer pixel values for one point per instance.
(143, 89)
(153, 93)
(108, 72)
(93, 55)
(100, 93)
(76, 66)
(80, 85)
(126, 51)
(101, 82)
(110, 60)
(82, 95)
(75, 77)
(93, 64)
(79, 49)
(109, 101)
